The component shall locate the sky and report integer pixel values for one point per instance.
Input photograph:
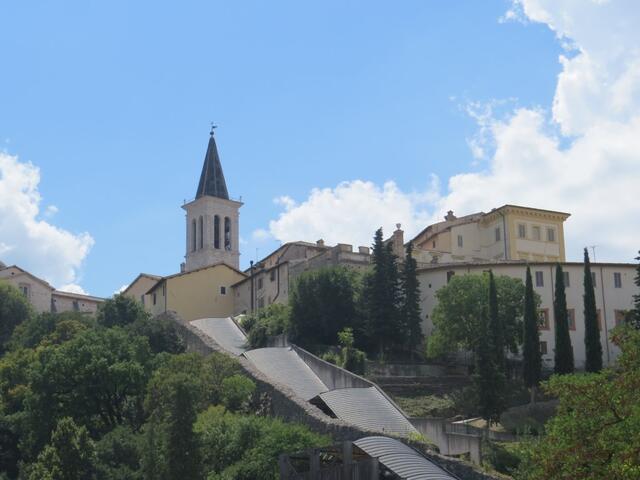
(334, 118)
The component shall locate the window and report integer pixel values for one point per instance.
(539, 279)
(571, 317)
(617, 279)
(460, 241)
(450, 275)
(551, 235)
(497, 233)
(543, 348)
(522, 230)
(193, 235)
(433, 244)
(223, 290)
(216, 231)
(227, 233)
(543, 319)
(154, 298)
(201, 236)
(272, 275)
(620, 316)
(24, 288)
(76, 307)
(593, 279)
(260, 283)
(566, 279)
(535, 232)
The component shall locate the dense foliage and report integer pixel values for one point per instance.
(563, 355)
(112, 398)
(14, 309)
(531, 356)
(410, 313)
(593, 347)
(596, 431)
(457, 315)
(635, 313)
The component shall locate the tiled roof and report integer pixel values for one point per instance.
(212, 178)
(224, 332)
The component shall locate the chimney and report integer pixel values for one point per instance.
(398, 241)
(183, 267)
(450, 216)
(363, 250)
(320, 243)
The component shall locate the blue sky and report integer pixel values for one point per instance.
(112, 102)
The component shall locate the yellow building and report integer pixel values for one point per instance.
(202, 293)
(510, 232)
(140, 286)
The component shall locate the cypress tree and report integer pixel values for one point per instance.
(563, 357)
(532, 358)
(496, 329)
(635, 314)
(593, 347)
(182, 443)
(488, 377)
(411, 300)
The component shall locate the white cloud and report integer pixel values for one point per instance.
(50, 211)
(121, 289)
(73, 288)
(260, 235)
(351, 213)
(45, 250)
(580, 154)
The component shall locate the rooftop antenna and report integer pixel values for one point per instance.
(593, 251)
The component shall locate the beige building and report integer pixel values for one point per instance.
(507, 233)
(43, 297)
(140, 286)
(202, 293)
(614, 289)
(270, 279)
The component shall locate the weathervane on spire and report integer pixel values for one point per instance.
(213, 127)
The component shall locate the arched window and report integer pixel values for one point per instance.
(227, 233)
(193, 235)
(201, 236)
(216, 231)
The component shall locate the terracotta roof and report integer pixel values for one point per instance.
(61, 293)
(148, 275)
(162, 279)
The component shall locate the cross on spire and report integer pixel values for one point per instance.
(213, 127)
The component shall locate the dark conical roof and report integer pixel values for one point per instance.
(212, 179)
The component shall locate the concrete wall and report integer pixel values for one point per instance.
(39, 293)
(65, 303)
(449, 443)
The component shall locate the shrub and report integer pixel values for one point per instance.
(270, 321)
(237, 391)
(503, 458)
(528, 418)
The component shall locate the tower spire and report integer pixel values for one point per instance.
(212, 181)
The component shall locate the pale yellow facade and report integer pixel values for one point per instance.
(202, 293)
(138, 289)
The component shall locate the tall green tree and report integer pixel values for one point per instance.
(593, 347)
(489, 379)
(183, 456)
(70, 455)
(496, 330)
(382, 323)
(456, 317)
(120, 311)
(635, 315)
(563, 356)
(410, 307)
(14, 309)
(532, 358)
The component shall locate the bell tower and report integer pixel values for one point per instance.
(212, 218)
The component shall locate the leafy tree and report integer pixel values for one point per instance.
(247, 447)
(43, 326)
(351, 358)
(269, 321)
(381, 298)
(237, 391)
(635, 315)
(410, 304)
(563, 357)
(593, 347)
(118, 455)
(489, 379)
(14, 309)
(457, 315)
(496, 330)
(595, 433)
(532, 358)
(161, 332)
(183, 455)
(120, 311)
(70, 455)
(322, 303)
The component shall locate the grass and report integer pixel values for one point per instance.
(427, 406)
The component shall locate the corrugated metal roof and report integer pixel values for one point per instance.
(285, 366)
(367, 408)
(402, 460)
(224, 332)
